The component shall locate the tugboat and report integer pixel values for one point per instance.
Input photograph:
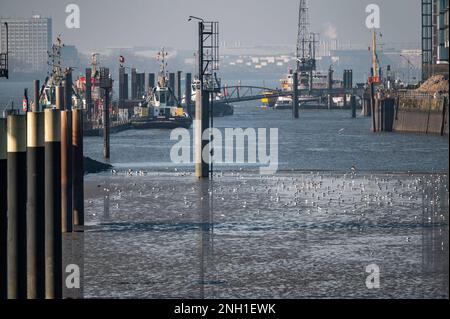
(220, 107)
(161, 109)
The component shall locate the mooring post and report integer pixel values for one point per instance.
(151, 81)
(121, 86)
(188, 91)
(68, 89)
(36, 105)
(198, 134)
(35, 206)
(78, 170)
(3, 210)
(59, 97)
(66, 171)
(295, 95)
(89, 94)
(330, 87)
(133, 84)
(178, 87)
(201, 124)
(17, 207)
(66, 156)
(106, 137)
(172, 88)
(53, 235)
(353, 104)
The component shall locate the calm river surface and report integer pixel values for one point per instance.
(309, 231)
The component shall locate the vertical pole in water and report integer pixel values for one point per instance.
(188, 91)
(68, 89)
(330, 87)
(60, 97)
(35, 205)
(66, 171)
(198, 134)
(17, 207)
(201, 114)
(151, 80)
(3, 210)
(36, 105)
(121, 86)
(372, 101)
(133, 84)
(178, 86)
(205, 126)
(53, 236)
(353, 104)
(89, 94)
(172, 87)
(106, 140)
(295, 95)
(201, 124)
(78, 169)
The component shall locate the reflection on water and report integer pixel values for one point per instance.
(435, 248)
(295, 235)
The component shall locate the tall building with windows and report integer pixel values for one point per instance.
(435, 37)
(30, 39)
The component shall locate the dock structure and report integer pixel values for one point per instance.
(35, 206)
(17, 207)
(53, 235)
(36, 195)
(78, 170)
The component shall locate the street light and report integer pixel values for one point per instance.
(195, 18)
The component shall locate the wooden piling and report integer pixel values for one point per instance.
(35, 206)
(17, 207)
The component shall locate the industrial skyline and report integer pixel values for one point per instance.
(249, 23)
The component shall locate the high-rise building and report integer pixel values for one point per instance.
(30, 39)
(435, 40)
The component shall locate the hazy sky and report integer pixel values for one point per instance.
(126, 23)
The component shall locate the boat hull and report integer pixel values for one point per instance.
(161, 124)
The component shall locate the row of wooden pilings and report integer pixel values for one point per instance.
(41, 197)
